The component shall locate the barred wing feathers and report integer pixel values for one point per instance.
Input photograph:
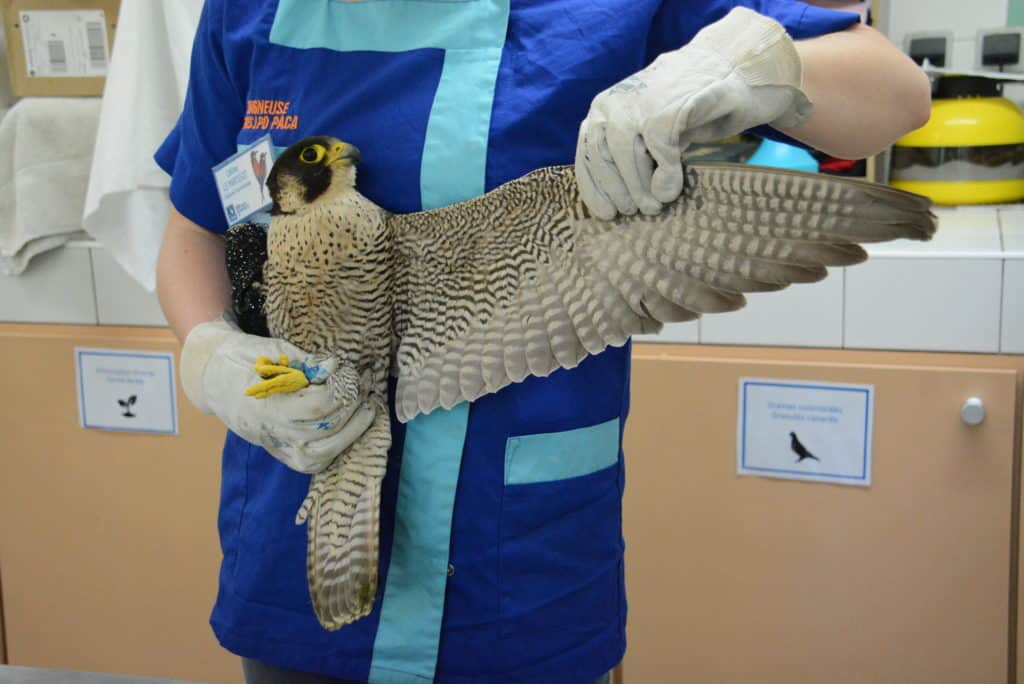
(522, 281)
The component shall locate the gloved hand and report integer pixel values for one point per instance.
(304, 429)
(739, 72)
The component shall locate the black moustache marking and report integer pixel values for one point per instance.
(315, 179)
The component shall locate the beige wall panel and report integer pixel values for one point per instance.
(108, 541)
(109, 557)
(756, 580)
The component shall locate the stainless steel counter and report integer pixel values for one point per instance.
(32, 675)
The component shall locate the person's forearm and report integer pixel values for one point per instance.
(866, 93)
(191, 279)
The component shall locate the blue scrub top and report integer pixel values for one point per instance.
(507, 564)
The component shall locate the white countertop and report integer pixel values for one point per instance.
(967, 232)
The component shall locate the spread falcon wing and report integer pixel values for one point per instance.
(522, 281)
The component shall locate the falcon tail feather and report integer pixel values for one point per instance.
(342, 546)
(342, 517)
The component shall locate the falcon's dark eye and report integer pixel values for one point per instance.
(313, 154)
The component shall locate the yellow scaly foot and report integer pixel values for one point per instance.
(278, 376)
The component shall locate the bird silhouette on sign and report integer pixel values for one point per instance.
(799, 449)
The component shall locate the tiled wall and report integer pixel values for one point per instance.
(963, 19)
(961, 292)
(77, 284)
(55, 288)
(964, 291)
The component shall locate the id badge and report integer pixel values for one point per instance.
(242, 181)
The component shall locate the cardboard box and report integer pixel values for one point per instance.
(68, 46)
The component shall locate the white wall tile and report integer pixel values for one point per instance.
(1011, 222)
(684, 333)
(1012, 341)
(962, 18)
(120, 300)
(963, 53)
(807, 315)
(55, 288)
(924, 304)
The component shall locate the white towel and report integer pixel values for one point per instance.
(127, 202)
(46, 148)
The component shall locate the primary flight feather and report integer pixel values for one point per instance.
(462, 301)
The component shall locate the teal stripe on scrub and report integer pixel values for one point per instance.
(472, 34)
(410, 619)
(390, 25)
(455, 150)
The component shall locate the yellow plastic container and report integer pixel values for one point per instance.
(971, 151)
(950, 193)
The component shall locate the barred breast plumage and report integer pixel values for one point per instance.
(329, 291)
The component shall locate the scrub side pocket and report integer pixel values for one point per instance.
(561, 544)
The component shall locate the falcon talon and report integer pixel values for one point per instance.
(278, 376)
(268, 368)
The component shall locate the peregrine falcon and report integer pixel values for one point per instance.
(461, 301)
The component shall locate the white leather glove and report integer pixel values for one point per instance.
(739, 72)
(305, 429)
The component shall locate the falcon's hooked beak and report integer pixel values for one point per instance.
(343, 153)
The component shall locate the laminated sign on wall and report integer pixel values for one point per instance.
(64, 44)
(802, 430)
(126, 390)
(59, 47)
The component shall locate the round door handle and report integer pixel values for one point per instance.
(973, 411)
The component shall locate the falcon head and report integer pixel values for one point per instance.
(310, 171)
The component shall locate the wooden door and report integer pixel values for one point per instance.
(743, 579)
(108, 541)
